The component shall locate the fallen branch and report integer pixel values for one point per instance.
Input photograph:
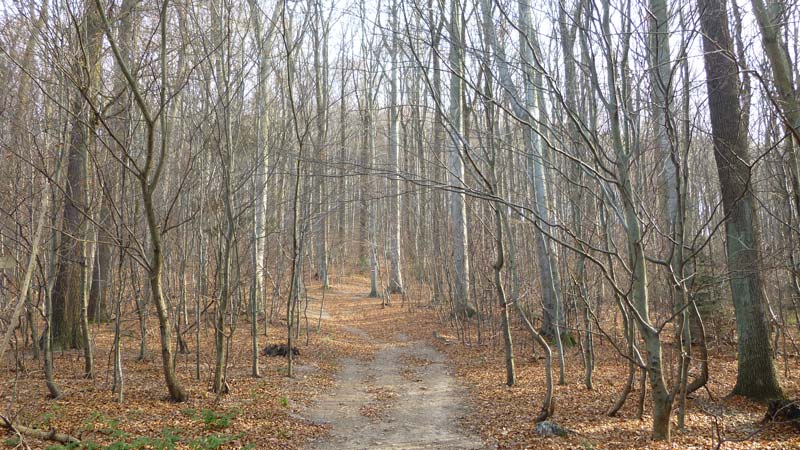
(50, 435)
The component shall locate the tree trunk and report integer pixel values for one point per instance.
(156, 263)
(372, 207)
(757, 377)
(768, 18)
(148, 177)
(101, 270)
(395, 271)
(436, 19)
(68, 293)
(320, 219)
(660, 395)
(23, 114)
(548, 267)
(455, 172)
(262, 163)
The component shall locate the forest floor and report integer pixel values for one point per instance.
(403, 398)
(370, 377)
(504, 416)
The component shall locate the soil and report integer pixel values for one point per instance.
(403, 398)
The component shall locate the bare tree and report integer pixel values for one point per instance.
(69, 294)
(756, 376)
(395, 212)
(148, 175)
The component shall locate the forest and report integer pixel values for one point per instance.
(444, 224)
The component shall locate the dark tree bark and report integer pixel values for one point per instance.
(69, 292)
(756, 376)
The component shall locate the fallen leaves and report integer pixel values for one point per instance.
(263, 412)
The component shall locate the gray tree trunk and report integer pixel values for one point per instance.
(487, 23)
(320, 33)
(548, 267)
(372, 208)
(395, 205)
(455, 172)
(769, 18)
(661, 397)
(101, 271)
(261, 200)
(222, 29)
(148, 177)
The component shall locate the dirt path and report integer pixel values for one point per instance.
(403, 398)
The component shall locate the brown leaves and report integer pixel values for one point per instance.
(268, 409)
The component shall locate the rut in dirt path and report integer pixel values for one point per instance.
(403, 398)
